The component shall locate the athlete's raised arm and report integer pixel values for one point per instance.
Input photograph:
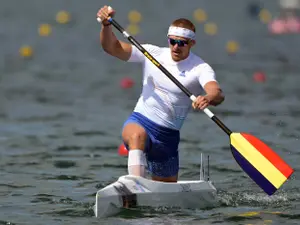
(109, 41)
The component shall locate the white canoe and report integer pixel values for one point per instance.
(140, 191)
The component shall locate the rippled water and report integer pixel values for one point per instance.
(61, 115)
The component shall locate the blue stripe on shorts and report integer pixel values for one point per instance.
(161, 146)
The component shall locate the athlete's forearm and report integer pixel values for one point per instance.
(215, 98)
(108, 39)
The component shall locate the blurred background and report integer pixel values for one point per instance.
(63, 102)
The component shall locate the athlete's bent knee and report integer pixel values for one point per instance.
(137, 137)
(137, 140)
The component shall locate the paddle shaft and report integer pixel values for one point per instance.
(167, 73)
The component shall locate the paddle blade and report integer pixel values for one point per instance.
(259, 161)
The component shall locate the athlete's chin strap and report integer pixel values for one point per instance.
(136, 162)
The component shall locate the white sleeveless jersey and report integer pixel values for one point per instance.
(161, 100)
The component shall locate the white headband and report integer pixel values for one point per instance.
(181, 32)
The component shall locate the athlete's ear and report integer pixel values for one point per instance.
(193, 42)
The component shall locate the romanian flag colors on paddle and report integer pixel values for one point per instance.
(260, 162)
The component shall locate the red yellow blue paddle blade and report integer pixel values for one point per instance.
(259, 161)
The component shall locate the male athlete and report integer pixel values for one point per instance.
(152, 131)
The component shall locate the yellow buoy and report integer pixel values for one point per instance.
(249, 214)
(232, 47)
(276, 213)
(200, 15)
(44, 30)
(26, 51)
(265, 16)
(134, 16)
(210, 28)
(63, 17)
(133, 29)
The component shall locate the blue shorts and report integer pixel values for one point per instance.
(161, 146)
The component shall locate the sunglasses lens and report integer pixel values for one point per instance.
(172, 41)
(180, 43)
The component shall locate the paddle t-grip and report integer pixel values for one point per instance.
(109, 9)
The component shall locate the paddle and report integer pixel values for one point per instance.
(258, 160)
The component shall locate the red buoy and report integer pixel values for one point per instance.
(127, 83)
(259, 77)
(122, 150)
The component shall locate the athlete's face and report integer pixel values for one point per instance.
(180, 47)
